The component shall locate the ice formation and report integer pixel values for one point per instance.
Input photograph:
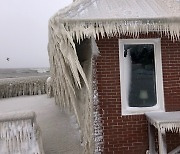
(13, 87)
(165, 121)
(73, 92)
(80, 21)
(98, 132)
(20, 134)
(49, 86)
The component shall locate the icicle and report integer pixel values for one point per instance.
(173, 127)
(133, 28)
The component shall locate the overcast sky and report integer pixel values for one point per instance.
(24, 31)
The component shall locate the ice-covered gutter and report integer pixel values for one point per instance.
(112, 27)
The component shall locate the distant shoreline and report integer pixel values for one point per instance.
(23, 72)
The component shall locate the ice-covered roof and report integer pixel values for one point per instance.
(121, 9)
(86, 18)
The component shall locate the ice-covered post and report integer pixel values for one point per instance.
(49, 90)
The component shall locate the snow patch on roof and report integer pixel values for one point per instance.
(121, 9)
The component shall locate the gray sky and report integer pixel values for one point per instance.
(24, 31)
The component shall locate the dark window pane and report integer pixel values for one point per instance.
(142, 85)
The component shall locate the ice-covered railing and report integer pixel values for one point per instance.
(20, 134)
(12, 87)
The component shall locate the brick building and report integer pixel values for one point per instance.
(128, 133)
(137, 69)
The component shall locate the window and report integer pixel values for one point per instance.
(141, 76)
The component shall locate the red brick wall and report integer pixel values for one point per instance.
(129, 134)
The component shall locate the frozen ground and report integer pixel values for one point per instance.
(59, 130)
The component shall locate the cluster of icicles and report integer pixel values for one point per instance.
(167, 127)
(81, 28)
(19, 134)
(86, 29)
(23, 86)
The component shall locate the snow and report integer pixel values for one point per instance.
(60, 133)
(120, 9)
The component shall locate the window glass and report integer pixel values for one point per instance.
(141, 77)
(141, 65)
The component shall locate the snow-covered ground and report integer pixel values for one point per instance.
(60, 134)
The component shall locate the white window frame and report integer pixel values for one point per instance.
(125, 109)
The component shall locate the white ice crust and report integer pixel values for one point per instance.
(20, 134)
(165, 121)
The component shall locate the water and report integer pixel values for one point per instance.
(22, 72)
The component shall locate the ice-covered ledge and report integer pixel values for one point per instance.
(20, 133)
(14, 116)
(162, 121)
(165, 121)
